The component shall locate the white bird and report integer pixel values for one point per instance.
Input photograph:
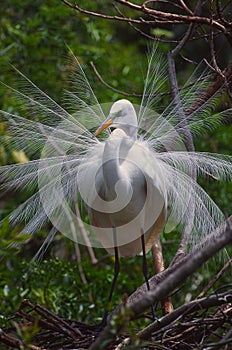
(132, 183)
(130, 194)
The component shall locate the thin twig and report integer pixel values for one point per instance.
(220, 14)
(47, 314)
(111, 87)
(184, 270)
(159, 16)
(192, 306)
(185, 7)
(14, 343)
(156, 279)
(186, 131)
(215, 279)
(211, 46)
(133, 94)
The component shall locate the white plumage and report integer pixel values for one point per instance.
(151, 168)
(129, 192)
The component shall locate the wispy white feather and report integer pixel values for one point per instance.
(63, 139)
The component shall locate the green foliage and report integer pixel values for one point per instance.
(10, 239)
(56, 284)
(35, 36)
(218, 142)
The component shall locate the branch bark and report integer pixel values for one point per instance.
(159, 16)
(214, 243)
(195, 305)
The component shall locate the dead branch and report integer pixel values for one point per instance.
(182, 119)
(158, 16)
(157, 279)
(215, 86)
(182, 270)
(111, 87)
(215, 279)
(193, 18)
(193, 306)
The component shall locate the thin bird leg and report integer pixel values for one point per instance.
(158, 262)
(116, 265)
(116, 272)
(145, 270)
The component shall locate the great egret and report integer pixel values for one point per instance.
(132, 182)
(123, 176)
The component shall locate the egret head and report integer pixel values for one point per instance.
(122, 115)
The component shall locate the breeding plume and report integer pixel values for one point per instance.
(129, 192)
(125, 165)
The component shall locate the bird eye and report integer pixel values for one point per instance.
(116, 114)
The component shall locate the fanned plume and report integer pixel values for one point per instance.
(61, 137)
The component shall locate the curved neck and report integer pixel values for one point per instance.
(111, 165)
(115, 154)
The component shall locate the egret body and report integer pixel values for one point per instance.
(121, 177)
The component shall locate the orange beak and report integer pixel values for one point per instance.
(103, 126)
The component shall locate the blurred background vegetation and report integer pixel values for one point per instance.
(35, 37)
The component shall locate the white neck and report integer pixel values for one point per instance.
(116, 149)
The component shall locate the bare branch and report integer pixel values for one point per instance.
(158, 16)
(185, 7)
(195, 305)
(111, 87)
(183, 270)
(132, 94)
(220, 14)
(100, 15)
(212, 89)
(156, 279)
(215, 279)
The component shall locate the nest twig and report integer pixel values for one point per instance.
(207, 326)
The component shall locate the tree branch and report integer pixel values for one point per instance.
(215, 279)
(156, 279)
(183, 269)
(212, 89)
(172, 16)
(111, 87)
(159, 16)
(192, 306)
(100, 15)
(186, 131)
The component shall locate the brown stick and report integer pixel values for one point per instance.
(182, 270)
(158, 263)
(159, 16)
(192, 306)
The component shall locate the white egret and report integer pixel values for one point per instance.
(124, 175)
(133, 183)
